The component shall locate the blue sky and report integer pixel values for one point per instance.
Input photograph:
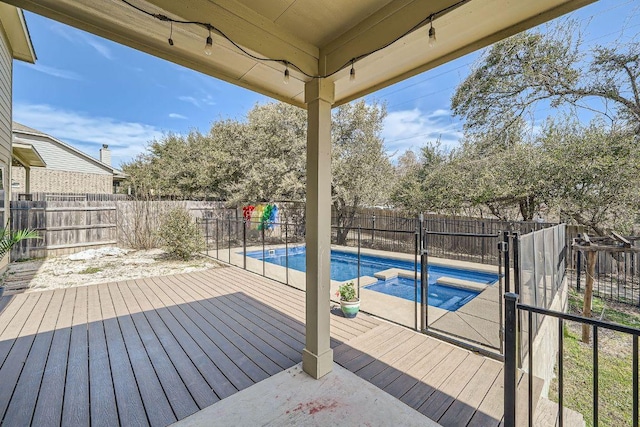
(89, 91)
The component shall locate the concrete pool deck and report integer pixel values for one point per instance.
(477, 322)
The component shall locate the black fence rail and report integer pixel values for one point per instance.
(512, 311)
(617, 276)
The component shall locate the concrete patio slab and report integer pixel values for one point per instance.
(293, 398)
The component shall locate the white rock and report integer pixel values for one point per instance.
(97, 253)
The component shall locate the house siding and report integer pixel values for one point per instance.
(6, 76)
(58, 157)
(45, 180)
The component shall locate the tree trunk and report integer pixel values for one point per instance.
(592, 256)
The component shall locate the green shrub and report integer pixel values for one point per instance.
(179, 235)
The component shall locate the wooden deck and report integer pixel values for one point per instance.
(153, 351)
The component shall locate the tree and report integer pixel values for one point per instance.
(594, 174)
(515, 74)
(361, 171)
(263, 159)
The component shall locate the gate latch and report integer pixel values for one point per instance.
(503, 246)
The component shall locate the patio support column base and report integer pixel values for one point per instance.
(317, 365)
(317, 356)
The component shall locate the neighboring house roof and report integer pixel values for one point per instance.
(27, 155)
(59, 155)
(17, 32)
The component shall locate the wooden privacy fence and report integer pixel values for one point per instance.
(68, 226)
(64, 227)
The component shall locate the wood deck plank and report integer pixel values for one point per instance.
(286, 303)
(280, 327)
(373, 352)
(75, 408)
(354, 348)
(101, 394)
(199, 389)
(49, 405)
(15, 325)
(282, 306)
(151, 391)
(13, 364)
(267, 357)
(388, 359)
(238, 378)
(490, 411)
(207, 324)
(221, 386)
(419, 373)
(288, 346)
(12, 306)
(176, 391)
(406, 361)
(466, 403)
(131, 411)
(439, 401)
(20, 410)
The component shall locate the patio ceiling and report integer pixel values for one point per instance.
(319, 37)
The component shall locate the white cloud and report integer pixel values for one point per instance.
(198, 102)
(190, 99)
(406, 129)
(77, 37)
(56, 72)
(102, 49)
(177, 116)
(125, 139)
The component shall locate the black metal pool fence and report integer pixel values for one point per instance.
(229, 239)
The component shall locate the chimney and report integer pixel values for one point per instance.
(105, 154)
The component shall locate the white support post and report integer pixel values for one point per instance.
(317, 356)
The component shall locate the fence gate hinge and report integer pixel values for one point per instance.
(503, 246)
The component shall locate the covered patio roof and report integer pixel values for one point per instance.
(322, 44)
(318, 38)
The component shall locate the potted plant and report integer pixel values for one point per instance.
(7, 241)
(349, 303)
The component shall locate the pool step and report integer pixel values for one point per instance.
(461, 284)
(446, 281)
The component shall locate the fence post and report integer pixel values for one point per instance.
(206, 238)
(244, 242)
(507, 272)
(578, 268)
(424, 281)
(510, 358)
(359, 236)
(373, 228)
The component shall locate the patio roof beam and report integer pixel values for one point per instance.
(379, 29)
(247, 28)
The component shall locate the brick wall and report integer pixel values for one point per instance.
(55, 181)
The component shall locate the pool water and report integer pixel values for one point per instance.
(445, 297)
(344, 266)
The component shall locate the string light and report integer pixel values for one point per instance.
(432, 33)
(285, 80)
(209, 41)
(208, 46)
(171, 33)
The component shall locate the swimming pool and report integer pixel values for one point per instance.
(344, 266)
(445, 297)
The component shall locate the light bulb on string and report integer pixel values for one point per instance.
(208, 47)
(352, 73)
(285, 80)
(432, 34)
